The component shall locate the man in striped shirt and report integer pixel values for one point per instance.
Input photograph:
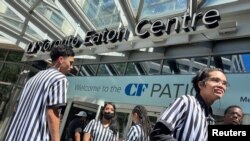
(188, 117)
(37, 116)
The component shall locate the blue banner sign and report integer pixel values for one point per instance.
(155, 90)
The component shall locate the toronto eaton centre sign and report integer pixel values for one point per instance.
(143, 29)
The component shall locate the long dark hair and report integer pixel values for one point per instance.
(143, 119)
(114, 125)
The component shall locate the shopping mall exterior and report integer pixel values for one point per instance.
(127, 52)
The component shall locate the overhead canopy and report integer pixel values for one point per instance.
(25, 22)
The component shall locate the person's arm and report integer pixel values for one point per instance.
(53, 120)
(164, 128)
(161, 132)
(77, 136)
(77, 132)
(87, 130)
(86, 136)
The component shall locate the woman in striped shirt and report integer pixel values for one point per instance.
(104, 129)
(141, 127)
(188, 117)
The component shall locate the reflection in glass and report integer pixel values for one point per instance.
(9, 72)
(4, 98)
(168, 67)
(216, 2)
(31, 32)
(30, 2)
(103, 70)
(229, 63)
(14, 56)
(56, 17)
(246, 62)
(236, 63)
(102, 13)
(159, 7)
(2, 54)
(76, 107)
(152, 67)
(119, 68)
(10, 18)
(122, 120)
(131, 70)
(84, 70)
(1, 66)
(92, 69)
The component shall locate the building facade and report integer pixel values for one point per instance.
(125, 41)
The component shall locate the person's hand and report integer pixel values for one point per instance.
(161, 133)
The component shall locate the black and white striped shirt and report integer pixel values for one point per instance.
(99, 132)
(189, 117)
(46, 88)
(136, 133)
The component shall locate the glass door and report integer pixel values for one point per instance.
(69, 112)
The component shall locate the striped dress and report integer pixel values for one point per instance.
(136, 133)
(99, 133)
(46, 88)
(189, 118)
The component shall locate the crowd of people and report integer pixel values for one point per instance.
(37, 116)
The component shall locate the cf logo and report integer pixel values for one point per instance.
(135, 89)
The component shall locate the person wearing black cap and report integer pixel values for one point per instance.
(77, 126)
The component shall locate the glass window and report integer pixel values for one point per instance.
(170, 67)
(33, 33)
(153, 120)
(14, 56)
(131, 69)
(231, 63)
(74, 108)
(10, 72)
(245, 61)
(3, 54)
(56, 17)
(4, 98)
(91, 69)
(159, 7)
(1, 66)
(101, 13)
(10, 18)
(23, 75)
(182, 65)
(120, 68)
(103, 71)
(81, 70)
(216, 2)
(201, 60)
(152, 67)
(122, 120)
(40, 65)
